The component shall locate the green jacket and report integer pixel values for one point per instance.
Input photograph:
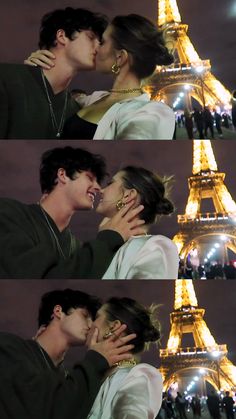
(28, 250)
(24, 108)
(31, 387)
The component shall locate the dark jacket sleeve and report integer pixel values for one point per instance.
(23, 255)
(29, 392)
(96, 255)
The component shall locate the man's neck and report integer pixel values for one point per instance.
(58, 209)
(55, 347)
(61, 74)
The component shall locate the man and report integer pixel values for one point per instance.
(34, 382)
(34, 103)
(35, 241)
(228, 404)
(213, 404)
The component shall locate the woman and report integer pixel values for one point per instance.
(131, 49)
(147, 256)
(130, 391)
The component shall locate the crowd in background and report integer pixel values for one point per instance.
(212, 406)
(210, 270)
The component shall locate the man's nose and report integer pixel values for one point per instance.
(90, 322)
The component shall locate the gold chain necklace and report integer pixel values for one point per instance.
(57, 127)
(125, 91)
(126, 363)
(54, 236)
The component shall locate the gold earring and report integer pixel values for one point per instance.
(115, 68)
(120, 204)
(108, 334)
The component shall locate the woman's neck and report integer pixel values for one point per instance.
(127, 81)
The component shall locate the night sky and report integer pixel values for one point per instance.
(19, 162)
(18, 315)
(211, 30)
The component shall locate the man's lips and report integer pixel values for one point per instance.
(92, 195)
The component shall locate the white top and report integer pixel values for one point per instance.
(129, 394)
(145, 257)
(133, 119)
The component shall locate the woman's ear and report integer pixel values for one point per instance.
(115, 325)
(129, 195)
(122, 57)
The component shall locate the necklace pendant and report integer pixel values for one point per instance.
(58, 135)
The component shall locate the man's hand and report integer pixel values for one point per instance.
(126, 222)
(115, 348)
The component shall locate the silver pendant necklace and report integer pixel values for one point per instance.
(54, 236)
(57, 127)
(64, 370)
(43, 355)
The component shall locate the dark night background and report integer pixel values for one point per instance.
(19, 162)
(18, 314)
(211, 30)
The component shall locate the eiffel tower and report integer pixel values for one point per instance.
(198, 229)
(206, 357)
(189, 69)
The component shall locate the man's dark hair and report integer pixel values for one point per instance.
(71, 21)
(67, 299)
(72, 160)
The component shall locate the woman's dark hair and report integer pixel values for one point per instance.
(152, 191)
(72, 160)
(67, 299)
(71, 21)
(141, 38)
(138, 319)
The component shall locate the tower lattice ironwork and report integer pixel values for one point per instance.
(188, 67)
(206, 355)
(198, 228)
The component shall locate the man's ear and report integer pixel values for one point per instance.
(61, 37)
(130, 195)
(57, 312)
(62, 176)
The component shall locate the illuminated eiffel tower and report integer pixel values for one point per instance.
(206, 359)
(189, 69)
(198, 229)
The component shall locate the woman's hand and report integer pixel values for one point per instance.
(115, 348)
(42, 58)
(126, 222)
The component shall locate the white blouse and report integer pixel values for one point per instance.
(134, 393)
(133, 119)
(145, 257)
